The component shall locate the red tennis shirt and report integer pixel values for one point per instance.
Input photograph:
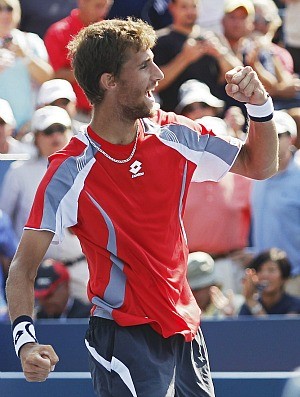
(128, 217)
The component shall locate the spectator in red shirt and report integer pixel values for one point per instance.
(58, 36)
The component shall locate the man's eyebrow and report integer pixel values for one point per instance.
(146, 60)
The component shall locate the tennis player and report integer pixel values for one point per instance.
(121, 185)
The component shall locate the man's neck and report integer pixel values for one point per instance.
(112, 128)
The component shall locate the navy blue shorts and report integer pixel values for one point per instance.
(137, 361)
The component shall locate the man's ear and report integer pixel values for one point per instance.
(107, 81)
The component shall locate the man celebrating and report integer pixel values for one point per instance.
(121, 186)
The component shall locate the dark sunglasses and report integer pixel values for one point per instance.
(54, 128)
(6, 8)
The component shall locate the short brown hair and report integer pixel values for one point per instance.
(102, 47)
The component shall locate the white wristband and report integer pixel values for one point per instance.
(23, 332)
(261, 113)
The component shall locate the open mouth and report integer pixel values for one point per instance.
(149, 95)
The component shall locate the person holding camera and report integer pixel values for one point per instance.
(184, 51)
(23, 63)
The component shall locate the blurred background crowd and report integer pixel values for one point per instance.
(243, 235)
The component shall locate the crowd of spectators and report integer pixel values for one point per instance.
(241, 233)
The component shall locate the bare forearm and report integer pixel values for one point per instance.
(19, 292)
(261, 151)
(39, 69)
(22, 272)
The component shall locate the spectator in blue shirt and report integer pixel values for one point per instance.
(275, 203)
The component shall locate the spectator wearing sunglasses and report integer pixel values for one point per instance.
(51, 129)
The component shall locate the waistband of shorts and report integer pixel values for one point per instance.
(95, 320)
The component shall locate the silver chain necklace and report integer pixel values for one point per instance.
(113, 159)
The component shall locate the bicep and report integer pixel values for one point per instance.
(239, 166)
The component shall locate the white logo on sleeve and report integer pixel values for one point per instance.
(135, 169)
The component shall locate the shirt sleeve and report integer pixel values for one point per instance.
(213, 156)
(55, 205)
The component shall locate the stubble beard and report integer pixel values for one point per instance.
(133, 113)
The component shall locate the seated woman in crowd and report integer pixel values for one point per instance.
(264, 285)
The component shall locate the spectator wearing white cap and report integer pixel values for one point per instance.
(197, 101)
(206, 287)
(59, 92)
(8, 144)
(51, 128)
(275, 203)
(237, 23)
(248, 30)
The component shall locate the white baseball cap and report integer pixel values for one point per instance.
(192, 91)
(284, 123)
(48, 115)
(6, 113)
(55, 89)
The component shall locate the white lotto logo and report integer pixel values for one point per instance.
(135, 169)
